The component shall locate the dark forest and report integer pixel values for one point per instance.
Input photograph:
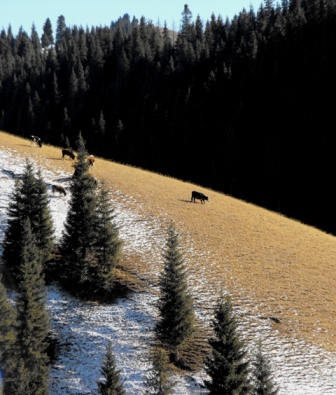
(242, 106)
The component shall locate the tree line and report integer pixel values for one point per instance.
(241, 106)
(88, 251)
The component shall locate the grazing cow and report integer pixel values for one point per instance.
(68, 152)
(59, 189)
(198, 195)
(36, 140)
(91, 160)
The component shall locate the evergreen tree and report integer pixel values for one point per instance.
(82, 86)
(118, 137)
(159, 380)
(42, 224)
(60, 28)
(47, 36)
(73, 89)
(177, 319)
(19, 383)
(37, 48)
(31, 370)
(99, 136)
(262, 375)
(20, 208)
(66, 126)
(29, 200)
(186, 20)
(90, 244)
(101, 125)
(80, 229)
(112, 384)
(7, 337)
(227, 366)
(108, 245)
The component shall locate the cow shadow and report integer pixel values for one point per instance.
(27, 145)
(56, 195)
(185, 200)
(63, 179)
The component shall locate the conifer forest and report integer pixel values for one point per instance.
(242, 106)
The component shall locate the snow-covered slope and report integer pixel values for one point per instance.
(85, 328)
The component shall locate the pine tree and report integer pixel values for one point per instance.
(108, 245)
(98, 137)
(73, 89)
(159, 381)
(101, 125)
(20, 208)
(90, 244)
(7, 337)
(66, 127)
(60, 28)
(227, 366)
(42, 224)
(186, 20)
(47, 36)
(177, 319)
(19, 383)
(37, 48)
(33, 322)
(80, 229)
(112, 384)
(262, 375)
(29, 200)
(118, 137)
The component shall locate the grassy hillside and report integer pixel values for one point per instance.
(274, 267)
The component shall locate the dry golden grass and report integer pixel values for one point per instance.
(279, 266)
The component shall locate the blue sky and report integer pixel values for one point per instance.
(89, 13)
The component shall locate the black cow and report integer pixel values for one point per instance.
(59, 189)
(68, 152)
(198, 195)
(36, 140)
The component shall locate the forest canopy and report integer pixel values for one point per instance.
(242, 106)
